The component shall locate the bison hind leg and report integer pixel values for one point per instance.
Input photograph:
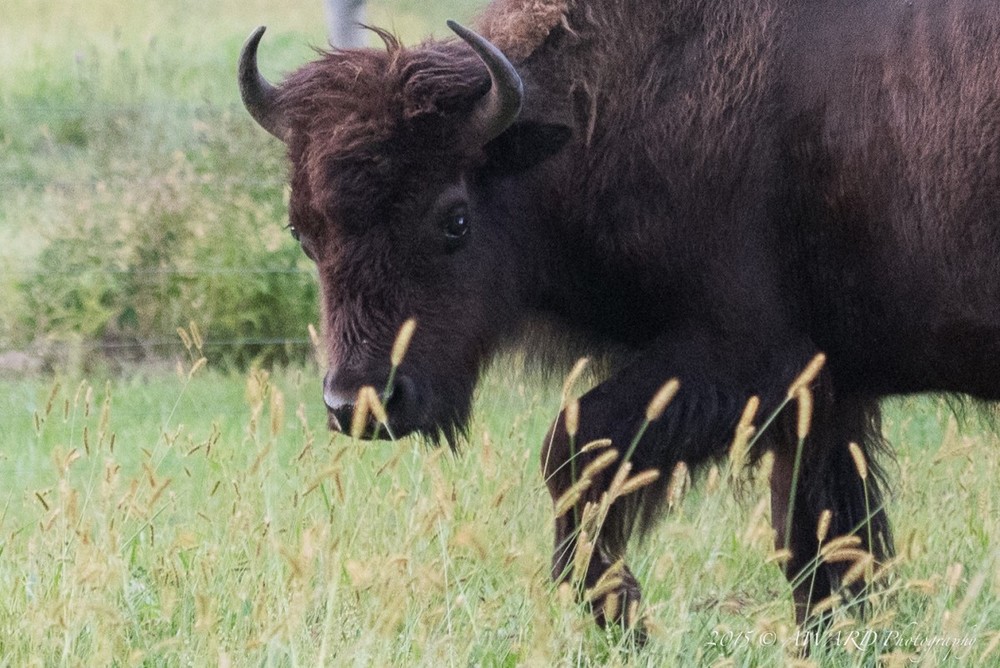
(840, 531)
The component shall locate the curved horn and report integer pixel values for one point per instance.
(259, 97)
(495, 112)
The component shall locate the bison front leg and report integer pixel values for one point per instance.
(604, 492)
(591, 527)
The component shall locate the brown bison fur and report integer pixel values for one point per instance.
(716, 189)
(519, 27)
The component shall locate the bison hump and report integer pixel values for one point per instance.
(518, 27)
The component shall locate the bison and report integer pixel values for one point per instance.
(716, 191)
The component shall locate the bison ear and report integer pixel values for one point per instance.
(525, 144)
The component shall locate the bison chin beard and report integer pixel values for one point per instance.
(435, 413)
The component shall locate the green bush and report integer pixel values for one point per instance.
(200, 239)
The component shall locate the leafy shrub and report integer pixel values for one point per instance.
(198, 238)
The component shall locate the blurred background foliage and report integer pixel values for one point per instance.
(136, 195)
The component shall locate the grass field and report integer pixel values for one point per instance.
(206, 517)
(169, 520)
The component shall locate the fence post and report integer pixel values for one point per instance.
(343, 18)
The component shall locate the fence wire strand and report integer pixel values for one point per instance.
(199, 119)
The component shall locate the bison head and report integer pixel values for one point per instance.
(405, 171)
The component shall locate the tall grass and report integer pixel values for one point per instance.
(212, 519)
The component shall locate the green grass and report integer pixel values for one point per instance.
(225, 524)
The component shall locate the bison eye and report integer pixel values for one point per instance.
(456, 226)
(302, 242)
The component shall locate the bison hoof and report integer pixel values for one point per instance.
(620, 608)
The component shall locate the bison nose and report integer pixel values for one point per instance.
(339, 404)
(340, 396)
(402, 402)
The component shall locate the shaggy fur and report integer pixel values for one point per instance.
(716, 190)
(519, 27)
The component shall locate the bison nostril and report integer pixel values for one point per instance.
(340, 418)
(339, 404)
(339, 410)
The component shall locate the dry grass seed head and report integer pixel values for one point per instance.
(594, 514)
(596, 445)
(826, 604)
(572, 377)
(886, 568)
(375, 406)
(639, 480)
(571, 496)
(805, 401)
(738, 450)
(614, 489)
(780, 556)
(564, 593)
(851, 554)
(677, 485)
(277, 411)
(581, 556)
(609, 581)
(662, 399)
(632, 618)
(195, 335)
(954, 621)
(360, 416)
(318, 349)
(863, 567)
(808, 375)
(185, 339)
(757, 525)
(845, 541)
(571, 417)
(590, 510)
(749, 413)
(990, 648)
(52, 397)
(196, 367)
(612, 606)
(859, 460)
(402, 342)
(953, 575)
(823, 525)
(602, 462)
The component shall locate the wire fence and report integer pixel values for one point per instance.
(207, 343)
(168, 341)
(222, 153)
(214, 271)
(162, 127)
(36, 185)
